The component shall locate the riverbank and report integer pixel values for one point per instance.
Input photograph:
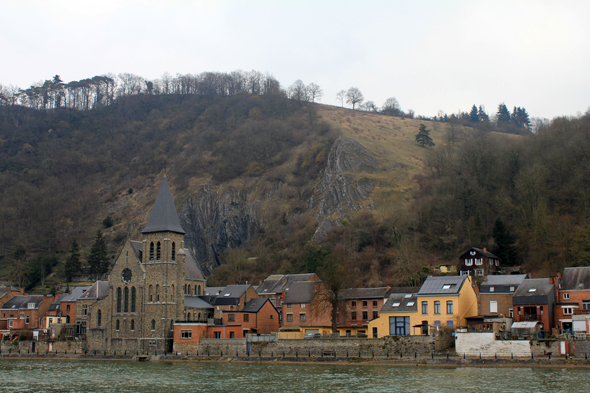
(418, 361)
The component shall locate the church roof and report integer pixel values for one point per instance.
(164, 217)
(192, 271)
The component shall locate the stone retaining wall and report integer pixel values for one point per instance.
(485, 344)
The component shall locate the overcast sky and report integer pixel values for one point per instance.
(430, 55)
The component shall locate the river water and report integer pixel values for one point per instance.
(124, 376)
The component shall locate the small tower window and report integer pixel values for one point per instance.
(158, 251)
(151, 251)
(153, 324)
(132, 324)
(98, 318)
(151, 294)
(172, 294)
(157, 293)
(117, 325)
(173, 254)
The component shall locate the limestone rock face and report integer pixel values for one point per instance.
(217, 220)
(338, 193)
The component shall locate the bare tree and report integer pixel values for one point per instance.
(354, 96)
(391, 107)
(298, 92)
(340, 96)
(314, 92)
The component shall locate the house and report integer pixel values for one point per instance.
(229, 298)
(258, 316)
(304, 312)
(572, 309)
(534, 301)
(395, 317)
(85, 307)
(478, 262)
(444, 301)
(7, 293)
(24, 312)
(361, 305)
(496, 294)
(67, 303)
(275, 286)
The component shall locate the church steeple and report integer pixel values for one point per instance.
(164, 217)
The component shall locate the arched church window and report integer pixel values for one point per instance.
(151, 251)
(188, 317)
(126, 299)
(117, 325)
(99, 318)
(133, 297)
(132, 324)
(153, 324)
(173, 254)
(199, 291)
(118, 299)
(157, 292)
(172, 293)
(195, 290)
(172, 324)
(151, 295)
(158, 251)
(199, 317)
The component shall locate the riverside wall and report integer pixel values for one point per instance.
(485, 344)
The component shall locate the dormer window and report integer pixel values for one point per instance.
(492, 289)
(511, 289)
(410, 304)
(30, 305)
(533, 290)
(566, 296)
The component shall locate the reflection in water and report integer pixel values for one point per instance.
(125, 376)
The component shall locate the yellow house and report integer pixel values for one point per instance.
(441, 301)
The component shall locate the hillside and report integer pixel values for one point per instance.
(256, 178)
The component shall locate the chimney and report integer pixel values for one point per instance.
(558, 274)
(485, 249)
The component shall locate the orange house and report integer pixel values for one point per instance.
(25, 312)
(303, 313)
(258, 316)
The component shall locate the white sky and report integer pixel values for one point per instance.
(430, 55)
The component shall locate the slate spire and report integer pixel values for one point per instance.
(164, 217)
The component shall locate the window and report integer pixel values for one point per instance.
(449, 307)
(497, 262)
(464, 272)
(424, 307)
(436, 323)
(84, 309)
(479, 272)
(450, 323)
(510, 313)
(301, 317)
(375, 314)
(133, 296)
(158, 251)
(217, 335)
(157, 292)
(566, 296)
(468, 262)
(449, 286)
(231, 317)
(151, 294)
(199, 288)
(117, 325)
(493, 306)
(492, 289)
(394, 305)
(68, 308)
(586, 304)
(10, 323)
(246, 318)
(151, 251)
(437, 307)
(353, 316)
(27, 319)
(353, 303)
(568, 311)
(511, 289)
(186, 334)
(153, 324)
(99, 318)
(533, 290)
(289, 317)
(231, 334)
(172, 290)
(365, 315)
(173, 254)
(478, 261)
(289, 306)
(126, 300)
(398, 326)
(410, 304)
(302, 305)
(132, 324)
(118, 299)
(374, 303)
(365, 303)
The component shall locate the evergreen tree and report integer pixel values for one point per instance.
(98, 259)
(483, 116)
(503, 113)
(423, 136)
(314, 257)
(73, 265)
(504, 248)
(474, 115)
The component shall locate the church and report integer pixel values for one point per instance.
(136, 308)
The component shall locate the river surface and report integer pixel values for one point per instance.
(126, 376)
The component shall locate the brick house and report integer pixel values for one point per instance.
(24, 312)
(361, 305)
(572, 309)
(534, 301)
(495, 297)
(478, 262)
(275, 286)
(229, 298)
(302, 313)
(258, 316)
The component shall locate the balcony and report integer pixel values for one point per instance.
(578, 311)
(531, 317)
